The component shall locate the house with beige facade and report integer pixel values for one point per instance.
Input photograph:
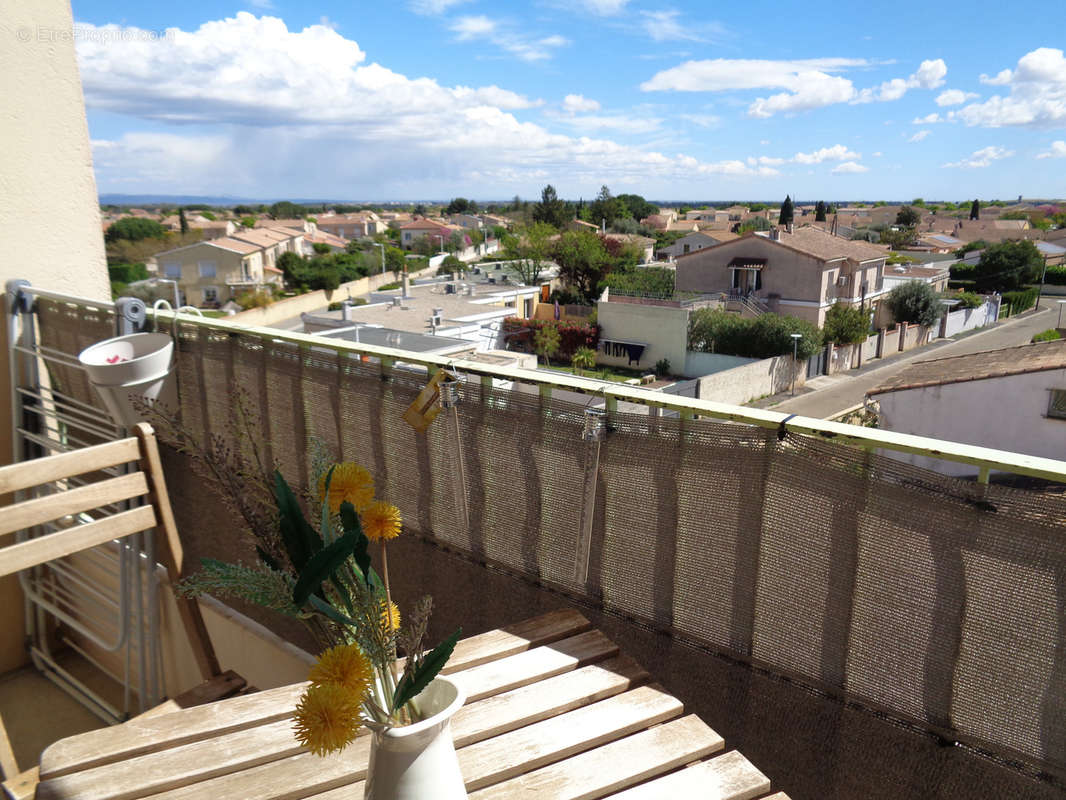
(438, 232)
(272, 242)
(351, 226)
(210, 273)
(800, 273)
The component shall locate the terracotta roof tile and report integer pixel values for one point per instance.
(978, 366)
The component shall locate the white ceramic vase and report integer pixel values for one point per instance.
(138, 365)
(417, 762)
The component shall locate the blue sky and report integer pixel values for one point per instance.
(430, 99)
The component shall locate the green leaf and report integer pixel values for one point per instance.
(352, 526)
(267, 559)
(324, 526)
(340, 618)
(412, 684)
(300, 539)
(322, 565)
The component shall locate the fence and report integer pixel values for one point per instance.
(966, 319)
(770, 543)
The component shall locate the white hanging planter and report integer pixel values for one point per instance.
(138, 365)
(416, 762)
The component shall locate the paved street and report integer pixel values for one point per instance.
(832, 394)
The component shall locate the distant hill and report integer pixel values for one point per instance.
(195, 199)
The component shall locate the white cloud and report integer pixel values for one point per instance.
(929, 75)
(666, 26)
(1037, 96)
(472, 28)
(877, 154)
(919, 136)
(703, 120)
(849, 168)
(1001, 78)
(954, 97)
(767, 161)
(982, 158)
(603, 8)
(1058, 150)
(575, 103)
(808, 83)
(928, 119)
(434, 7)
(837, 152)
(287, 110)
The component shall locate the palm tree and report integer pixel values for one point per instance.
(582, 359)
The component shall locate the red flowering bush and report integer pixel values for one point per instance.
(572, 334)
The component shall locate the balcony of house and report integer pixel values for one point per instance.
(854, 626)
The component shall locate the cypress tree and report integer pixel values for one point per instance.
(182, 222)
(819, 212)
(975, 210)
(787, 212)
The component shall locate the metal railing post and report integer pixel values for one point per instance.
(593, 434)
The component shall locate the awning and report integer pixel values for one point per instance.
(747, 263)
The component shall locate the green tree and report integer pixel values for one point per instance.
(637, 206)
(788, 213)
(395, 260)
(183, 224)
(897, 239)
(975, 210)
(582, 359)
(915, 301)
(460, 205)
(847, 324)
(530, 248)
(908, 217)
(754, 224)
(917, 201)
(819, 211)
(1007, 266)
(133, 229)
(248, 222)
(768, 335)
(605, 208)
(320, 247)
(546, 341)
(550, 210)
(286, 210)
(583, 261)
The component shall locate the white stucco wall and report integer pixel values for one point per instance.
(664, 329)
(1008, 413)
(49, 214)
(750, 381)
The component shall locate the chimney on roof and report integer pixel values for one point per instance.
(775, 234)
(790, 227)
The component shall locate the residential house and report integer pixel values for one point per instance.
(693, 242)
(210, 273)
(468, 221)
(272, 241)
(686, 225)
(438, 232)
(335, 243)
(800, 273)
(659, 221)
(581, 225)
(1010, 399)
(1054, 254)
(939, 242)
(995, 230)
(351, 226)
(643, 244)
(935, 273)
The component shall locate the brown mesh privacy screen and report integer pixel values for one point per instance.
(936, 599)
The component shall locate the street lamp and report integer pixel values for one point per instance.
(379, 244)
(795, 344)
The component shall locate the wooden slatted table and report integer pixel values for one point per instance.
(554, 711)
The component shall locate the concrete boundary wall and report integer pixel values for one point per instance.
(317, 300)
(750, 381)
(697, 364)
(966, 319)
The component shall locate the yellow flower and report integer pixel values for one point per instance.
(327, 718)
(344, 665)
(350, 482)
(381, 520)
(390, 619)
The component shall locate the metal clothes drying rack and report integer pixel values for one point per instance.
(107, 596)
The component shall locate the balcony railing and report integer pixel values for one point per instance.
(792, 544)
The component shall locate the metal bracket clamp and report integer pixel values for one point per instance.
(130, 316)
(20, 301)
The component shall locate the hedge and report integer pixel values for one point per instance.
(1056, 275)
(1021, 300)
(572, 335)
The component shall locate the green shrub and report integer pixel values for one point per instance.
(967, 299)
(134, 229)
(258, 299)
(127, 273)
(766, 336)
(847, 324)
(389, 286)
(1021, 300)
(1056, 275)
(964, 272)
(915, 301)
(651, 281)
(662, 366)
(1049, 335)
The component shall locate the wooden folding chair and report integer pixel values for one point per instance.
(88, 527)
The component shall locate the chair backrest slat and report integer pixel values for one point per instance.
(73, 540)
(50, 507)
(16, 477)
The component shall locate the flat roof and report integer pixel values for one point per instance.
(400, 339)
